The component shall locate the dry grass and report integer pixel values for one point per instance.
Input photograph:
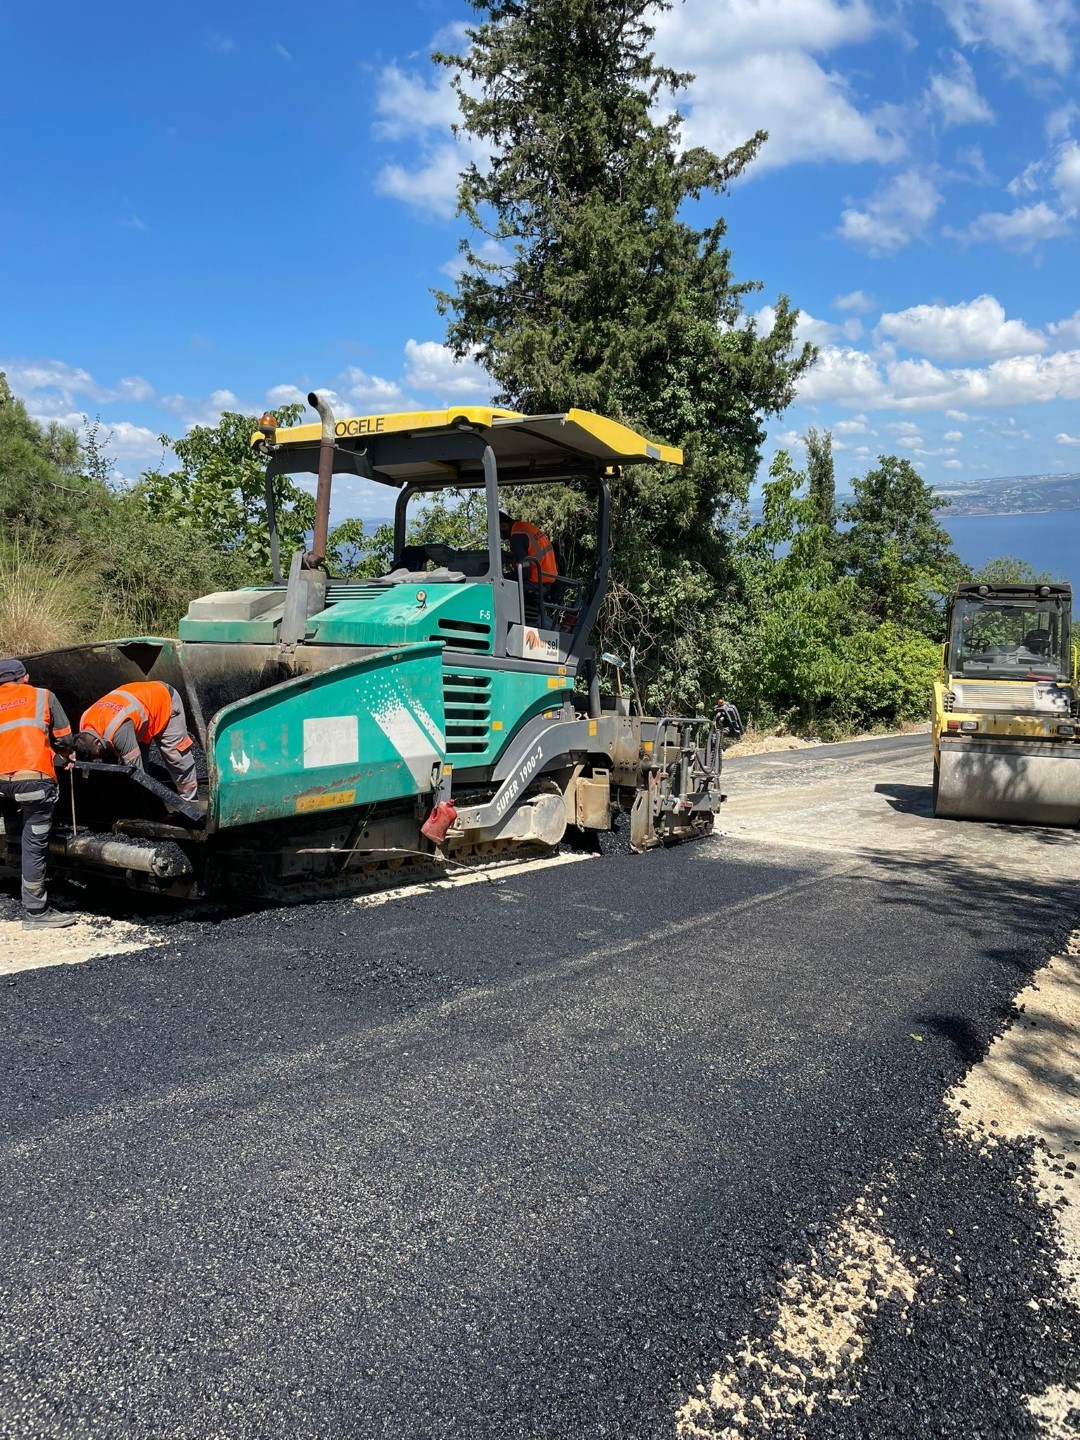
(43, 601)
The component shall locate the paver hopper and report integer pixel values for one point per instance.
(447, 710)
(1005, 716)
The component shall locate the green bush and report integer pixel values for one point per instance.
(888, 675)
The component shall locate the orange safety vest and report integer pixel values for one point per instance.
(146, 703)
(24, 730)
(541, 553)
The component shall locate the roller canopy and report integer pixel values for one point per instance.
(396, 449)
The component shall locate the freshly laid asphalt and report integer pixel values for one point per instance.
(519, 1159)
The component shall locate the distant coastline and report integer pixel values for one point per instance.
(1010, 495)
(952, 512)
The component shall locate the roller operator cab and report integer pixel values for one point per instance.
(448, 709)
(1005, 721)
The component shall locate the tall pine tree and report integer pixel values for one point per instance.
(821, 476)
(607, 297)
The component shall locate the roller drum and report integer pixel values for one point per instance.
(1009, 782)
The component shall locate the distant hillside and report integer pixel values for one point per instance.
(1011, 495)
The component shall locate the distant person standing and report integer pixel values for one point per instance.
(33, 727)
(128, 718)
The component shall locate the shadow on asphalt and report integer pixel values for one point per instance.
(959, 1030)
(1030, 911)
(908, 799)
(919, 800)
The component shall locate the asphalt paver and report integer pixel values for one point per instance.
(523, 1158)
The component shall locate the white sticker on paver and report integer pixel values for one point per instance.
(85, 940)
(400, 727)
(819, 1336)
(331, 740)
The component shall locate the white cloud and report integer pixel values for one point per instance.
(372, 392)
(748, 26)
(54, 383)
(842, 374)
(904, 427)
(134, 222)
(1020, 229)
(279, 49)
(132, 387)
(957, 97)
(851, 377)
(220, 44)
(972, 156)
(807, 110)
(407, 104)
(1066, 176)
(1029, 179)
(954, 435)
(130, 442)
(419, 110)
(897, 214)
(973, 330)
(432, 367)
(1063, 439)
(857, 300)
(1029, 32)
(285, 395)
(954, 464)
(433, 187)
(1059, 122)
(430, 376)
(808, 329)
(192, 411)
(855, 426)
(755, 67)
(1066, 330)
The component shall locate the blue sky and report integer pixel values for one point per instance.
(220, 206)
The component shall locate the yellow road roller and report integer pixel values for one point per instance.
(1005, 714)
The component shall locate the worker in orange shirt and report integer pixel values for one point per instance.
(33, 727)
(539, 565)
(123, 722)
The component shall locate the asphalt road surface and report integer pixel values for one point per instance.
(572, 1153)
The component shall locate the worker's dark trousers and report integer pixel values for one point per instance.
(28, 807)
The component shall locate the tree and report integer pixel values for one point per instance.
(42, 491)
(901, 557)
(821, 476)
(797, 610)
(606, 299)
(220, 492)
(1008, 570)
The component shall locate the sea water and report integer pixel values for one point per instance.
(1049, 541)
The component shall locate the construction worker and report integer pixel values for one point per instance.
(33, 727)
(128, 718)
(539, 564)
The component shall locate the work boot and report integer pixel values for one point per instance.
(46, 920)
